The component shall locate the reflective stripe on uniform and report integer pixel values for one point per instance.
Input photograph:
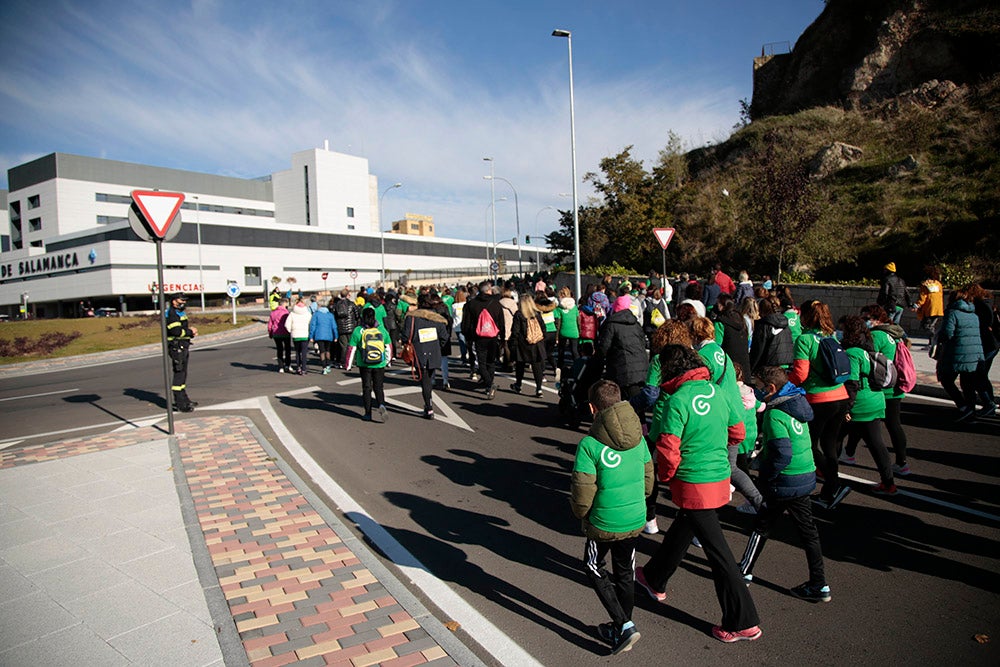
(178, 387)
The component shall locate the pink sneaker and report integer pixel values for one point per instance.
(749, 635)
(640, 578)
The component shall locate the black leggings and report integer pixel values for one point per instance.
(823, 430)
(871, 433)
(897, 436)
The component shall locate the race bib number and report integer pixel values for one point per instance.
(427, 335)
(549, 318)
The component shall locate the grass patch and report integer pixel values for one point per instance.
(31, 340)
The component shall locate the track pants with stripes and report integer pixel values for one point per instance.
(616, 589)
(800, 509)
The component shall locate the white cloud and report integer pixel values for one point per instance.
(190, 91)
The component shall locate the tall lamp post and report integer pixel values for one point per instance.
(572, 132)
(517, 217)
(201, 267)
(493, 198)
(381, 230)
(486, 228)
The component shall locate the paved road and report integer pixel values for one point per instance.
(915, 577)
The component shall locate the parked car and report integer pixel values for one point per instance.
(106, 312)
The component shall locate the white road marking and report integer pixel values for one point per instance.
(89, 427)
(931, 399)
(48, 393)
(447, 415)
(10, 443)
(297, 392)
(926, 499)
(490, 637)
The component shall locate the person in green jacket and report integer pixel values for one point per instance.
(867, 404)
(371, 348)
(612, 475)
(692, 456)
(567, 327)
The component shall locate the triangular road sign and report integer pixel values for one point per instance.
(663, 235)
(159, 209)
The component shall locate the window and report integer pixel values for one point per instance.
(350, 211)
(251, 276)
(108, 219)
(15, 211)
(306, 173)
(114, 199)
(350, 226)
(414, 227)
(37, 244)
(35, 224)
(34, 201)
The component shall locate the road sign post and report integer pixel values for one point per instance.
(154, 216)
(664, 236)
(325, 276)
(233, 290)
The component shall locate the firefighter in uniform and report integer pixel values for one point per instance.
(179, 335)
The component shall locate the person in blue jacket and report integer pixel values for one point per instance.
(323, 331)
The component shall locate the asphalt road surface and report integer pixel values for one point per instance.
(479, 498)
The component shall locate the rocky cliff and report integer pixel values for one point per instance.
(861, 54)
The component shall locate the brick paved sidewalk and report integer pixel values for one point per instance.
(283, 577)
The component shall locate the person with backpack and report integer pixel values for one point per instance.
(568, 328)
(527, 344)
(930, 304)
(482, 325)
(546, 304)
(887, 339)
(655, 313)
(346, 314)
(731, 332)
(427, 331)
(821, 367)
(892, 293)
(371, 348)
(867, 402)
(622, 345)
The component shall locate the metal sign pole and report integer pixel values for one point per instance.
(663, 276)
(163, 338)
(234, 310)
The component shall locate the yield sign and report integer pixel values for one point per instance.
(663, 235)
(158, 209)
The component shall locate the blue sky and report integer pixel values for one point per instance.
(423, 89)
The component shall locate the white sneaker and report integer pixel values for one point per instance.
(747, 508)
(651, 527)
(695, 542)
(281, 369)
(901, 470)
(847, 459)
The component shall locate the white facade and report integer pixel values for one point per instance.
(70, 241)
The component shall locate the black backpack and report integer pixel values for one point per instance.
(836, 364)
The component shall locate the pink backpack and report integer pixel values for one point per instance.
(485, 326)
(905, 370)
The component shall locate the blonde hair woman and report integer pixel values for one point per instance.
(527, 343)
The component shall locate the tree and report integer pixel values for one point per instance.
(781, 205)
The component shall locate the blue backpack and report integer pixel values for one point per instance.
(836, 364)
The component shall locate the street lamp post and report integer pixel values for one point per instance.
(517, 218)
(381, 230)
(572, 132)
(493, 198)
(201, 267)
(486, 229)
(538, 264)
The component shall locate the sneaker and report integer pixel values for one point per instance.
(821, 502)
(446, 386)
(606, 631)
(382, 414)
(366, 417)
(747, 508)
(474, 377)
(491, 392)
(839, 496)
(640, 578)
(326, 371)
(281, 369)
(901, 470)
(625, 640)
(651, 527)
(748, 579)
(696, 543)
(812, 593)
(847, 459)
(883, 490)
(428, 414)
(538, 393)
(748, 635)
(516, 388)
(987, 411)
(965, 414)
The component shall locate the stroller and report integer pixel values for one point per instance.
(576, 383)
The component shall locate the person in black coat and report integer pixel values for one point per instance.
(525, 351)
(772, 343)
(623, 347)
(487, 348)
(428, 332)
(735, 341)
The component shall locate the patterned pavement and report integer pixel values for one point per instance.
(296, 591)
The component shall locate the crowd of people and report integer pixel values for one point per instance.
(695, 389)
